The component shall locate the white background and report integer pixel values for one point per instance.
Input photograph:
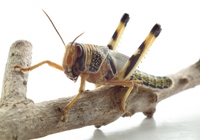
(177, 47)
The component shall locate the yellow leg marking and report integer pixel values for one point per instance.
(119, 32)
(52, 64)
(81, 90)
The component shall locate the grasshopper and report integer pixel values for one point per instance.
(102, 65)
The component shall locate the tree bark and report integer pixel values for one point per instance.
(22, 119)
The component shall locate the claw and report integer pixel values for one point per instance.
(63, 117)
(17, 68)
(126, 112)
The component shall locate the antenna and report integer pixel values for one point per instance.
(76, 38)
(54, 27)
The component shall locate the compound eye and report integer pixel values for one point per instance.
(79, 50)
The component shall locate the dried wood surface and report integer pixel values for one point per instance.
(22, 119)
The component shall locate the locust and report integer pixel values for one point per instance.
(102, 65)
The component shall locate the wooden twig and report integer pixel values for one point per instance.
(22, 119)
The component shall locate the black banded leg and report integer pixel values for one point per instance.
(136, 58)
(112, 45)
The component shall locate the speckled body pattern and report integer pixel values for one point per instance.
(95, 56)
(151, 80)
(105, 64)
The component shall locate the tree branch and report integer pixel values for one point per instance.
(98, 107)
(20, 54)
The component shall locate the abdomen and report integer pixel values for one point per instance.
(152, 81)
